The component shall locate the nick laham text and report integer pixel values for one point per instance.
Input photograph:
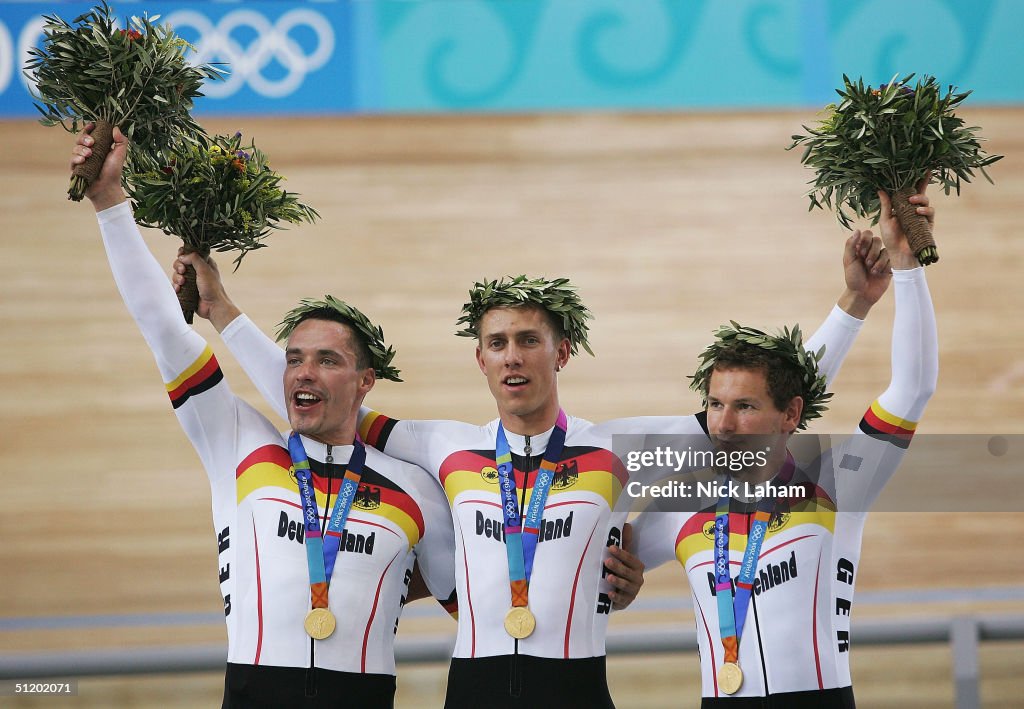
(714, 489)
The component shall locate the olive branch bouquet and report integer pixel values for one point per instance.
(135, 78)
(890, 138)
(216, 195)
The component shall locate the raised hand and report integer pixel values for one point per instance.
(214, 303)
(901, 256)
(105, 191)
(866, 272)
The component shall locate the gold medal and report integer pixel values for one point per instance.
(730, 677)
(519, 622)
(319, 623)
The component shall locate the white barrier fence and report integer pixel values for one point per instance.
(964, 633)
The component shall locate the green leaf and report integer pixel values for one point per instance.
(87, 69)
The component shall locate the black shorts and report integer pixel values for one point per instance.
(517, 681)
(817, 699)
(253, 687)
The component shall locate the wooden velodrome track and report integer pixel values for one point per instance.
(669, 224)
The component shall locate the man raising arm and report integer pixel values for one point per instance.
(771, 563)
(316, 534)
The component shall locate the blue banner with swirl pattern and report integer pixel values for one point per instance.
(386, 56)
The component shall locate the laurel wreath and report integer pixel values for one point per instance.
(788, 345)
(557, 297)
(381, 353)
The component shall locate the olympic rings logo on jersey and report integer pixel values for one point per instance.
(272, 43)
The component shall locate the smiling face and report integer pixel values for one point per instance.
(520, 353)
(323, 382)
(743, 417)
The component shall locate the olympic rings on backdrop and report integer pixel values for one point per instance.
(6, 57)
(31, 35)
(272, 42)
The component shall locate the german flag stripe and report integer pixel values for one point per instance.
(392, 505)
(694, 525)
(573, 461)
(270, 466)
(369, 477)
(375, 428)
(267, 466)
(879, 423)
(692, 537)
(601, 482)
(205, 357)
(264, 475)
(600, 459)
(404, 515)
(203, 374)
(888, 423)
(899, 440)
(398, 503)
(469, 462)
(265, 454)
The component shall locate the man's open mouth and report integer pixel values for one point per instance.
(304, 399)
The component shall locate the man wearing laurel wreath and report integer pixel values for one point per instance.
(316, 534)
(539, 543)
(772, 557)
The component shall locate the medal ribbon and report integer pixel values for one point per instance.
(732, 612)
(322, 553)
(521, 533)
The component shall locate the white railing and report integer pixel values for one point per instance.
(964, 633)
